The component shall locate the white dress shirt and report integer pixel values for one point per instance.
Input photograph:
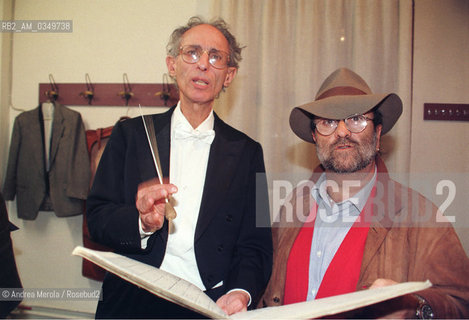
(189, 153)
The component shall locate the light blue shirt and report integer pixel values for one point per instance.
(333, 222)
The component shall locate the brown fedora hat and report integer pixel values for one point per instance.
(344, 93)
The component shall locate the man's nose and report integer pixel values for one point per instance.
(342, 130)
(203, 61)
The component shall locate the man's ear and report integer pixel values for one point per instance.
(378, 129)
(171, 64)
(314, 136)
(230, 75)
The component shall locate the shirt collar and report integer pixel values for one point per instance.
(178, 119)
(319, 193)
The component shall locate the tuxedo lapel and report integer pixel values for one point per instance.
(162, 124)
(220, 170)
(163, 134)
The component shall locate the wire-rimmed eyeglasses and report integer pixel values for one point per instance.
(217, 58)
(355, 124)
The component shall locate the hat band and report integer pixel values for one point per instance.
(341, 91)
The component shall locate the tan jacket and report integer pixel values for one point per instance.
(398, 246)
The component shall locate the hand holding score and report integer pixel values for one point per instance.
(150, 203)
(233, 302)
(403, 307)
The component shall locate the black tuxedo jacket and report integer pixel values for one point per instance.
(232, 238)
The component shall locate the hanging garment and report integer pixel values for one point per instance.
(64, 187)
(96, 141)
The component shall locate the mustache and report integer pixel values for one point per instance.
(343, 141)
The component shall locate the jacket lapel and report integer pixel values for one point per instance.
(381, 222)
(162, 125)
(36, 136)
(57, 132)
(376, 236)
(163, 134)
(220, 170)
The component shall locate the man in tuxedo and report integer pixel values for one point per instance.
(220, 240)
(351, 227)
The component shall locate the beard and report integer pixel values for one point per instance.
(350, 161)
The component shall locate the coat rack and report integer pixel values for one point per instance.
(109, 94)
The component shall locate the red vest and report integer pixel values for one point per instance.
(344, 270)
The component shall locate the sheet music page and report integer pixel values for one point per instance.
(333, 305)
(179, 291)
(159, 282)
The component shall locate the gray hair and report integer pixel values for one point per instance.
(172, 48)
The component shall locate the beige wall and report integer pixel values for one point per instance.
(110, 38)
(440, 149)
(6, 13)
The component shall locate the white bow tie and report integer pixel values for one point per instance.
(184, 133)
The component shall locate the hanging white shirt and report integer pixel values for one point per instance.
(47, 109)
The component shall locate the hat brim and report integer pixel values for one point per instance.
(341, 107)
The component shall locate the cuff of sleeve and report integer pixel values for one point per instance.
(249, 302)
(143, 235)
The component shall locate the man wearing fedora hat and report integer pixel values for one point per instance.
(351, 227)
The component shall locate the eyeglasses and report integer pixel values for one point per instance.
(355, 124)
(217, 58)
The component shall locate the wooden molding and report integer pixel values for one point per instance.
(110, 94)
